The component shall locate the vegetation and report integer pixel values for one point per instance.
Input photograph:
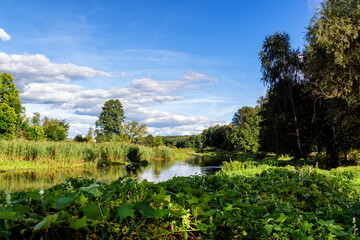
(10, 107)
(132, 132)
(14, 154)
(110, 121)
(244, 201)
(312, 107)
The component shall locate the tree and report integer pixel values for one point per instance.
(35, 133)
(7, 121)
(333, 50)
(10, 107)
(110, 120)
(55, 130)
(90, 135)
(245, 136)
(154, 141)
(333, 64)
(282, 70)
(79, 138)
(132, 132)
(35, 120)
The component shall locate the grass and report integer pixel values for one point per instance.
(27, 154)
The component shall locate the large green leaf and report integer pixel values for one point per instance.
(82, 200)
(79, 224)
(125, 211)
(63, 202)
(92, 211)
(92, 189)
(7, 215)
(46, 222)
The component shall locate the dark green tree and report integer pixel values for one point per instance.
(333, 50)
(110, 120)
(282, 71)
(333, 64)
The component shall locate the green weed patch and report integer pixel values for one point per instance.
(274, 203)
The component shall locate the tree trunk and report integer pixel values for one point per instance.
(334, 161)
(297, 132)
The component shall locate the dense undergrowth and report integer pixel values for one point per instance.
(30, 154)
(243, 201)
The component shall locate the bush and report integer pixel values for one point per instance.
(134, 155)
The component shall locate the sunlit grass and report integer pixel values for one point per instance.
(46, 154)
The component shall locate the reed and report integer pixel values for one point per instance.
(69, 153)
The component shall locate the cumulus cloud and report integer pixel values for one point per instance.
(186, 81)
(136, 97)
(38, 68)
(4, 36)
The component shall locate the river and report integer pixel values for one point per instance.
(155, 172)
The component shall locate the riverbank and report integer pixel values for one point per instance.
(21, 154)
(243, 200)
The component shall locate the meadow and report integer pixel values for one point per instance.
(245, 200)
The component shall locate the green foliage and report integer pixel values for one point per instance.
(36, 133)
(242, 134)
(333, 50)
(55, 130)
(90, 135)
(10, 107)
(134, 155)
(287, 109)
(79, 138)
(186, 141)
(68, 153)
(110, 120)
(7, 121)
(132, 132)
(243, 201)
(246, 133)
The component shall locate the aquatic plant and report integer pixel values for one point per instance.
(251, 202)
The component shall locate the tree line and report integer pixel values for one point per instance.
(312, 102)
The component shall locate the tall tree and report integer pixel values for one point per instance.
(10, 106)
(282, 71)
(334, 48)
(110, 120)
(332, 55)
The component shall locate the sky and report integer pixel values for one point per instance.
(179, 66)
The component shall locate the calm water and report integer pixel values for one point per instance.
(155, 172)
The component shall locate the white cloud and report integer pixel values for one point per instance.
(4, 36)
(38, 68)
(136, 98)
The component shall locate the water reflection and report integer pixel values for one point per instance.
(155, 172)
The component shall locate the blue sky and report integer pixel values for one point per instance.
(178, 66)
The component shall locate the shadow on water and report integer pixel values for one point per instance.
(155, 172)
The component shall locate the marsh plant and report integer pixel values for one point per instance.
(134, 155)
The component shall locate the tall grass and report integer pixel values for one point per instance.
(68, 153)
